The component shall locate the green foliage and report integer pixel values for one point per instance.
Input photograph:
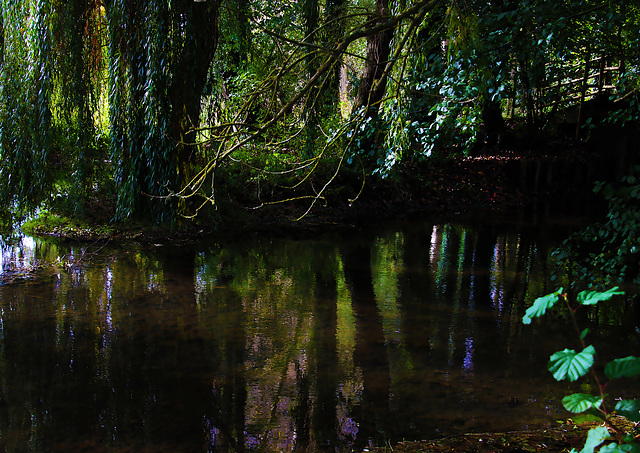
(627, 367)
(608, 251)
(363, 138)
(436, 105)
(541, 305)
(25, 110)
(568, 364)
(476, 58)
(629, 409)
(615, 448)
(595, 437)
(581, 402)
(141, 101)
(593, 297)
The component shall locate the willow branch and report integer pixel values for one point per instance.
(333, 56)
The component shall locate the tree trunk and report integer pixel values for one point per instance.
(493, 122)
(334, 22)
(373, 83)
(311, 16)
(199, 22)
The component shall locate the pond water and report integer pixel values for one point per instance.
(323, 342)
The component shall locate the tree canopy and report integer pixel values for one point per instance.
(145, 108)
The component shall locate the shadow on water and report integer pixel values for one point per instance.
(328, 343)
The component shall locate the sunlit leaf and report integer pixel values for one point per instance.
(570, 365)
(595, 437)
(626, 367)
(629, 409)
(541, 305)
(593, 297)
(580, 402)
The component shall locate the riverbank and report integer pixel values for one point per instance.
(562, 438)
(500, 182)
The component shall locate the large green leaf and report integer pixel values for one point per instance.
(629, 409)
(593, 297)
(541, 305)
(570, 365)
(580, 402)
(626, 367)
(595, 437)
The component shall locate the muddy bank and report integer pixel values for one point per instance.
(562, 438)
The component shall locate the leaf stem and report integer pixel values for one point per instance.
(601, 387)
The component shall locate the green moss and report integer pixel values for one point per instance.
(61, 226)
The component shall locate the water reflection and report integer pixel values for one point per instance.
(328, 344)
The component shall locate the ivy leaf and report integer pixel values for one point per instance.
(595, 437)
(626, 367)
(593, 297)
(629, 409)
(541, 305)
(580, 402)
(570, 365)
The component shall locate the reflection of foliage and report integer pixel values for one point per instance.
(386, 267)
(346, 325)
(253, 326)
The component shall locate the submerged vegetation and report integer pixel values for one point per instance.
(160, 110)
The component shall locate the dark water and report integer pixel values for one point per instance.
(323, 343)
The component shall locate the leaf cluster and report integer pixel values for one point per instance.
(608, 251)
(475, 64)
(572, 365)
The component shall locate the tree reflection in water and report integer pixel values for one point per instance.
(331, 343)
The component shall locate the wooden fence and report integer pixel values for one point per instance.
(576, 83)
(559, 86)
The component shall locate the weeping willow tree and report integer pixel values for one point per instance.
(158, 73)
(143, 157)
(100, 100)
(25, 110)
(115, 89)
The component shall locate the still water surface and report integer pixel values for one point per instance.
(325, 342)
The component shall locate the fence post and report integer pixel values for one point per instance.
(583, 91)
(602, 75)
